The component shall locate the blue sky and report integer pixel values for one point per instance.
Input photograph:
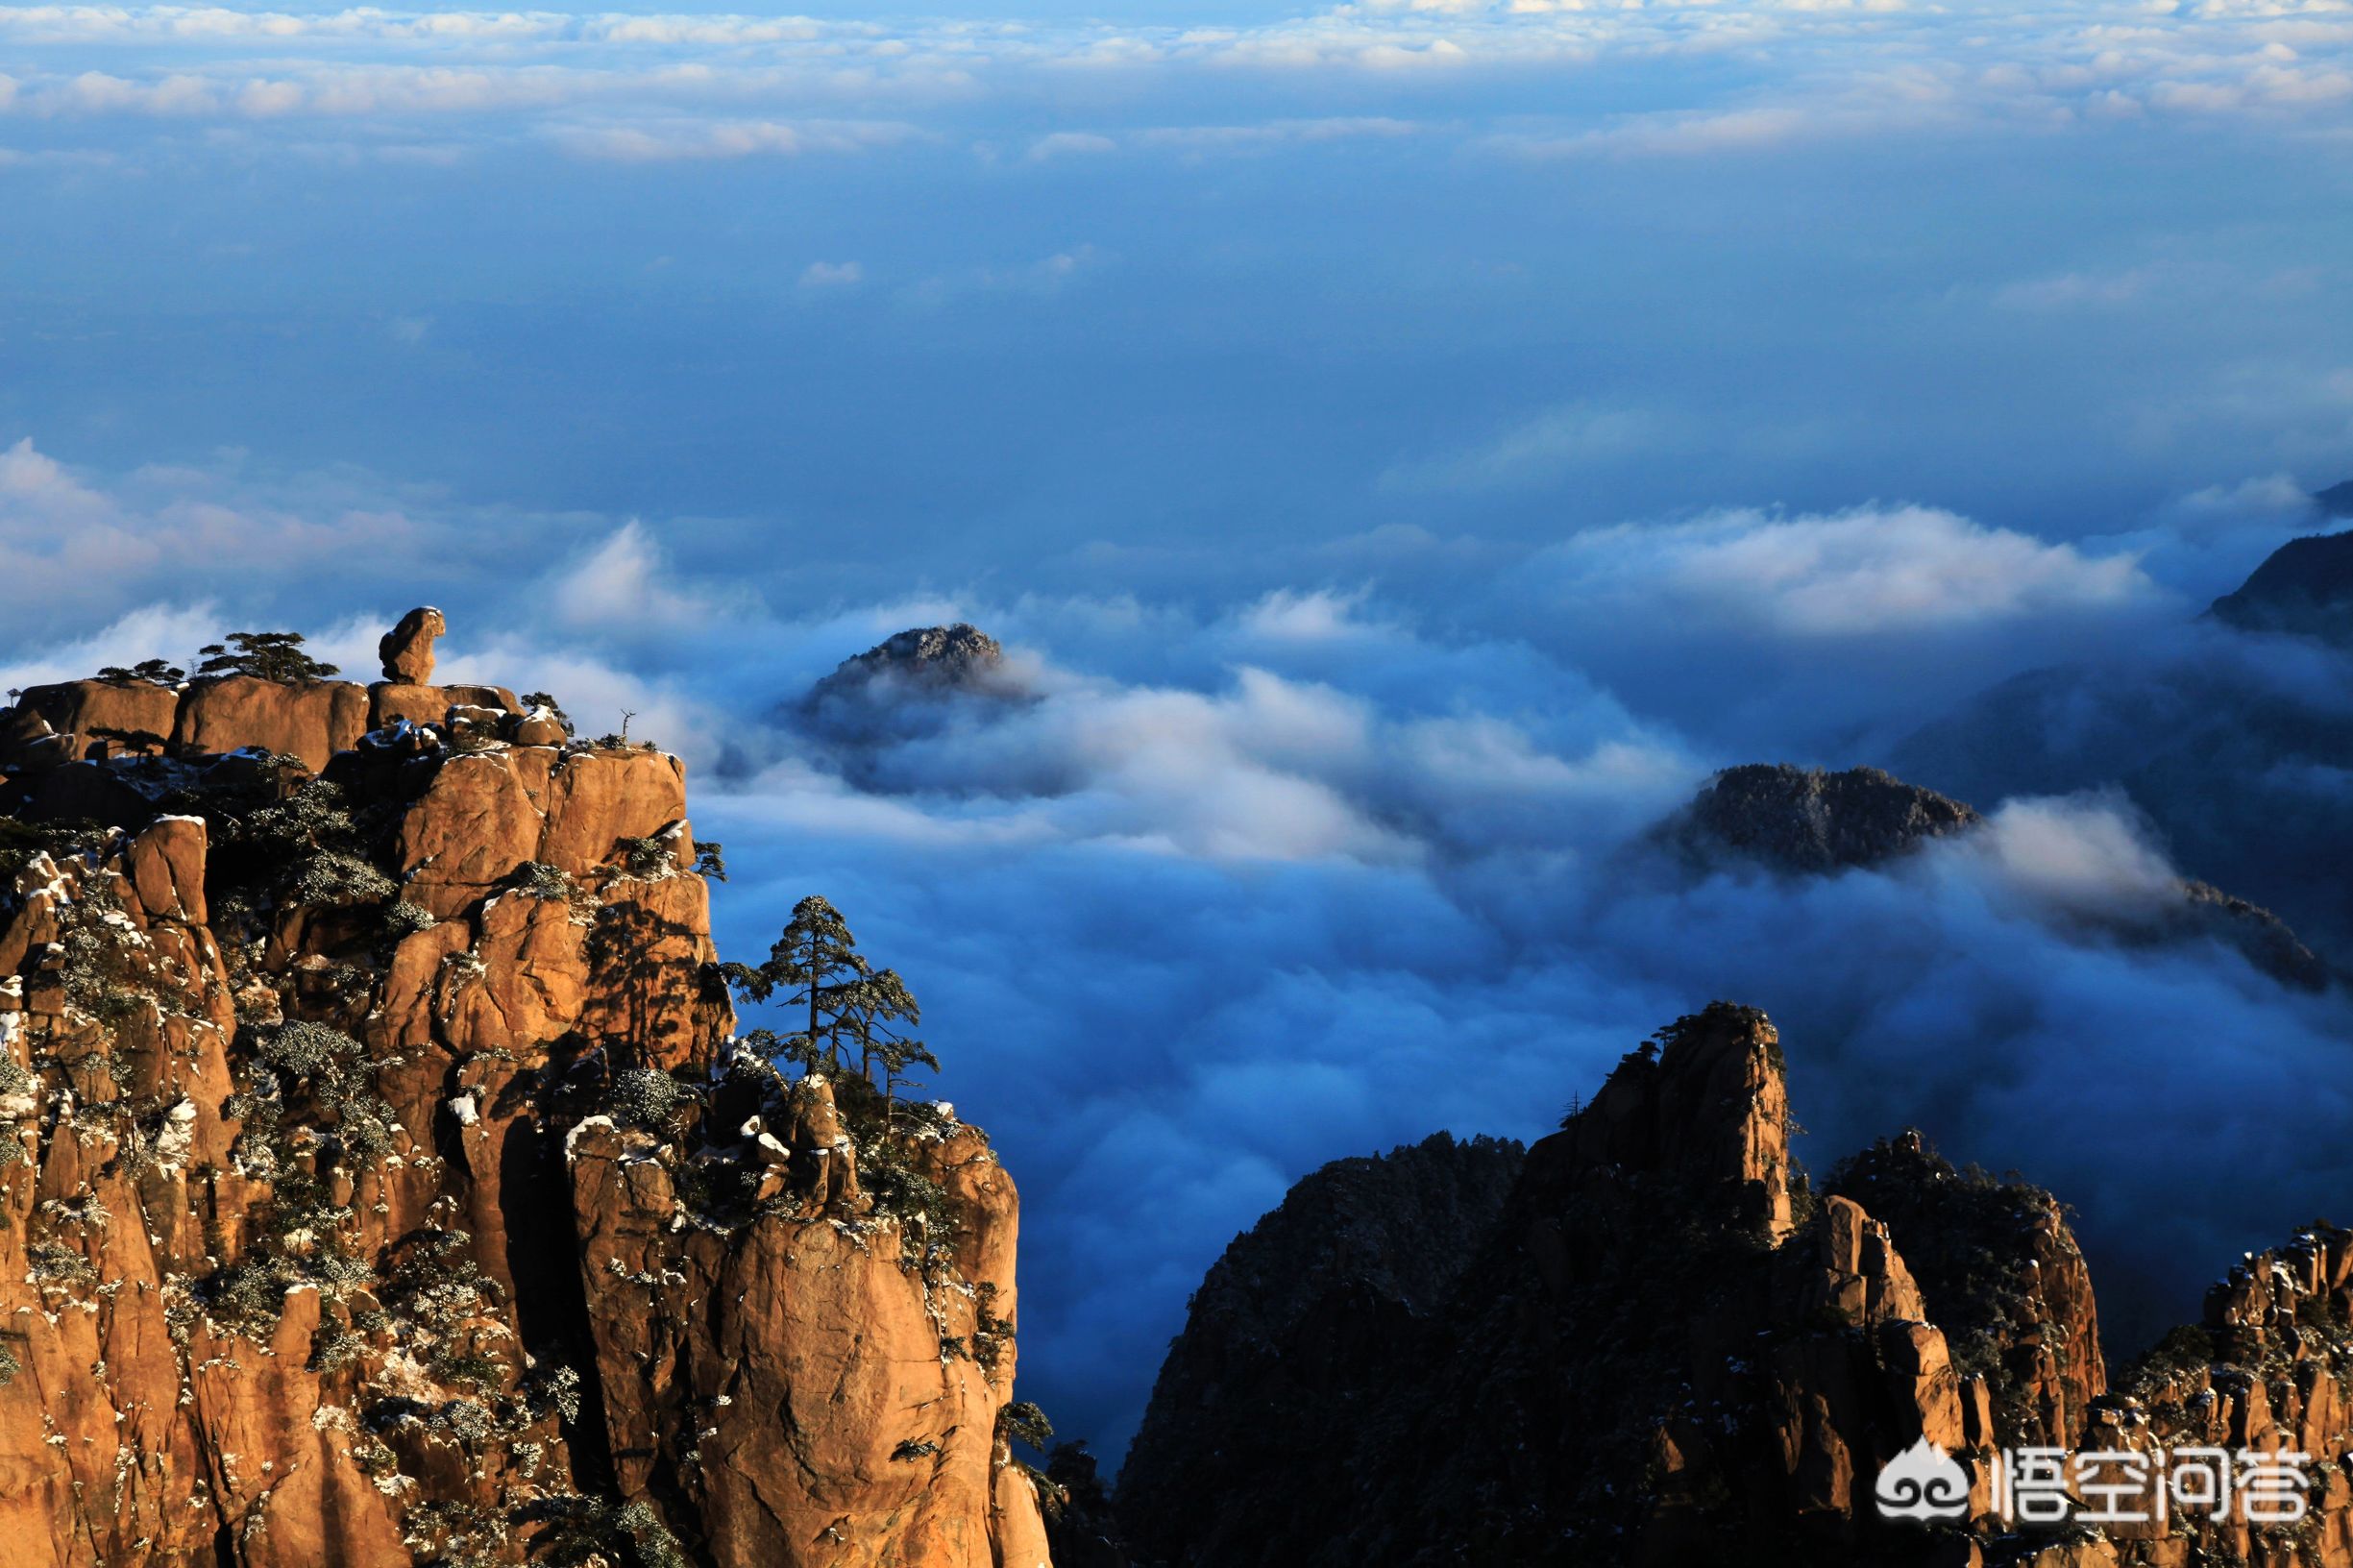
(1405, 446)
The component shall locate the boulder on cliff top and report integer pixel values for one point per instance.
(135, 715)
(407, 648)
(312, 721)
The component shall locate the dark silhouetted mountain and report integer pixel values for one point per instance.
(2238, 750)
(2269, 942)
(1258, 1398)
(918, 683)
(2305, 587)
(2337, 500)
(1665, 1349)
(1808, 820)
(1811, 823)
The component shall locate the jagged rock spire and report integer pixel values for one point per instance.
(1711, 1105)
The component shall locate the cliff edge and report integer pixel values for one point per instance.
(380, 1184)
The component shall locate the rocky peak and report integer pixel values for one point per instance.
(932, 658)
(1704, 1101)
(1809, 820)
(910, 686)
(1627, 1370)
(2000, 1272)
(1803, 821)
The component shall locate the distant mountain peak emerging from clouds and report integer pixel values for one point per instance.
(2304, 587)
(1810, 820)
(940, 657)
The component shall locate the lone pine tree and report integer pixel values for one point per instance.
(815, 965)
(265, 655)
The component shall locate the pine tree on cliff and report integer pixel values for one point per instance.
(876, 1003)
(879, 1003)
(815, 959)
(264, 655)
(147, 672)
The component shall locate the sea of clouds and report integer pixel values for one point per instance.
(1215, 885)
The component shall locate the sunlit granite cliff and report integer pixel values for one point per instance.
(380, 1182)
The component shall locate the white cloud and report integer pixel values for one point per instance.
(1046, 275)
(2074, 289)
(756, 83)
(1267, 135)
(172, 632)
(70, 544)
(1544, 448)
(1067, 143)
(1321, 616)
(2266, 502)
(832, 274)
(2082, 857)
(622, 588)
(1845, 574)
(1675, 135)
(40, 485)
(687, 140)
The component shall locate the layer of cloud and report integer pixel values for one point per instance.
(1842, 574)
(1813, 72)
(1546, 449)
(663, 142)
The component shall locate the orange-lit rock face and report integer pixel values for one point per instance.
(825, 1415)
(339, 1224)
(311, 721)
(99, 716)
